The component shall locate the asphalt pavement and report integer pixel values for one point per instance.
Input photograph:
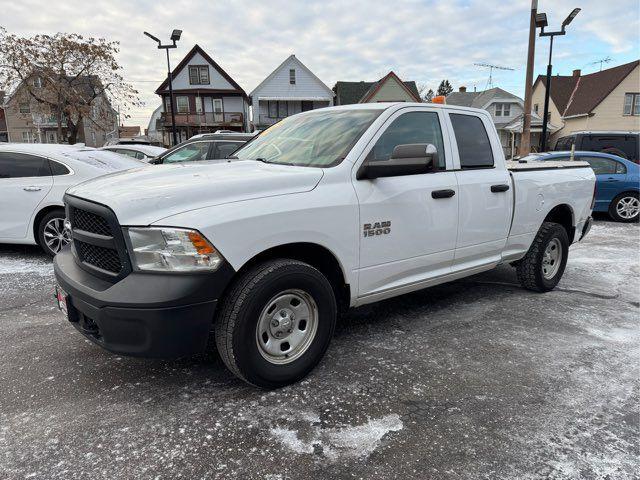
(474, 379)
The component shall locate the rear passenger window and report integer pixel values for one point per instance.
(58, 168)
(602, 166)
(472, 140)
(226, 148)
(621, 168)
(20, 165)
(408, 128)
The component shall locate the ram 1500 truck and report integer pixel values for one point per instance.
(326, 209)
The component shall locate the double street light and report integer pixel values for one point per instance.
(175, 36)
(541, 22)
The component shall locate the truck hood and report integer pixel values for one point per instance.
(146, 195)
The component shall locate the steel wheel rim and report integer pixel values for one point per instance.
(551, 259)
(287, 326)
(628, 207)
(55, 235)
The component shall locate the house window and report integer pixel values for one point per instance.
(167, 104)
(199, 74)
(25, 137)
(503, 109)
(292, 76)
(631, 104)
(282, 109)
(93, 137)
(217, 105)
(24, 107)
(273, 109)
(182, 104)
(535, 108)
(198, 104)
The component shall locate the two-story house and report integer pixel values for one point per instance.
(291, 88)
(388, 89)
(206, 99)
(605, 100)
(30, 121)
(506, 110)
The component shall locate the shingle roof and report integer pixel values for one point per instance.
(348, 93)
(579, 95)
(479, 99)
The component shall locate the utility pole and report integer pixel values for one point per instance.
(525, 140)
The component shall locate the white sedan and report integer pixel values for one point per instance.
(145, 153)
(33, 179)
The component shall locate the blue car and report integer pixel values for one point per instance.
(617, 182)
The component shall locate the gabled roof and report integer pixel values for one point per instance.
(349, 93)
(481, 99)
(185, 61)
(581, 94)
(281, 66)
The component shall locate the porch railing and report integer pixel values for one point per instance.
(204, 119)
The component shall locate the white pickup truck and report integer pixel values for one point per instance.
(327, 209)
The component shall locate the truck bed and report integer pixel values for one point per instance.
(523, 166)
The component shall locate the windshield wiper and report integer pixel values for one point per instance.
(263, 160)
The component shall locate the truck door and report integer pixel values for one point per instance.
(407, 234)
(485, 193)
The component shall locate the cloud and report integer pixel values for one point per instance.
(424, 41)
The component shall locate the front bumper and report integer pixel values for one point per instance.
(144, 314)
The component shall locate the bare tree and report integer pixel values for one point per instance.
(72, 78)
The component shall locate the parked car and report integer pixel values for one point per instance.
(205, 146)
(33, 179)
(622, 144)
(141, 140)
(146, 153)
(617, 182)
(335, 207)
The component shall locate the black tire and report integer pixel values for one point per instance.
(613, 208)
(57, 214)
(530, 268)
(237, 321)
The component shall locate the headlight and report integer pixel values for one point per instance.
(172, 250)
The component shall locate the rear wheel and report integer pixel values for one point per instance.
(52, 235)
(542, 267)
(625, 207)
(276, 322)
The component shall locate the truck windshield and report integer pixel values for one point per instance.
(311, 139)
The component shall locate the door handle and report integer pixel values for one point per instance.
(612, 179)
(499, 188)
(32, 189)
(448, 193)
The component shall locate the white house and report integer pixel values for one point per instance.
(291, 88)
(206, 98)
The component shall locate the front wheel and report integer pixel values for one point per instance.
(542, 267)
(276, 322)
(625, 207)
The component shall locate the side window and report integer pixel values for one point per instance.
(602, 166)
(226, 148)
(20, 165)
(139, 155)
(411, 127)
(189, 153)
(58, 168)
(473, 143)
(621, 168)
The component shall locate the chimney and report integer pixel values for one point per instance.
(462, 89)
(576, 73)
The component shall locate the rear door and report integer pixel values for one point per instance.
(485, 196)
(24, 182)
(610, 178)
(407, 234)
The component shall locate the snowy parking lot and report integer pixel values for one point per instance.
(473, 379)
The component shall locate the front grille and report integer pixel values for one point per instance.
(98, 242)
(90, 222)
(103, 258)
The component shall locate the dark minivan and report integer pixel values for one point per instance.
(622, 144)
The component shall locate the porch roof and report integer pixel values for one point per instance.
(515, 125)
(295, 99)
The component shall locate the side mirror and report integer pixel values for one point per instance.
(409, 159)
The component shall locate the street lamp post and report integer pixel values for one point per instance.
(541, 21)
(175, 36)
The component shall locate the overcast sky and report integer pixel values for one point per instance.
(420, 40)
